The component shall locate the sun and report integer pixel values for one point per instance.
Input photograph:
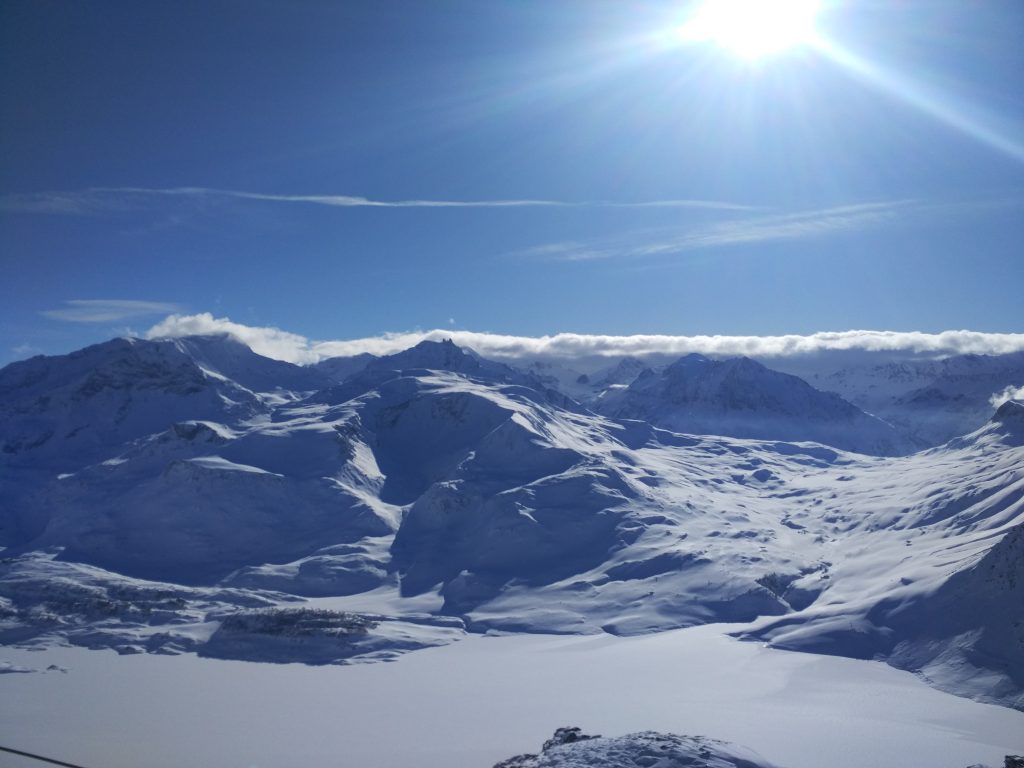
(752, 29)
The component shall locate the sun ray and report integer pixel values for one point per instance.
(941, 107)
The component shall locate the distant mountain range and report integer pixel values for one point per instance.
(929, 401)
(151, 489)
(742, 398)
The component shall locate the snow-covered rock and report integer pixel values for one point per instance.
(569, 748)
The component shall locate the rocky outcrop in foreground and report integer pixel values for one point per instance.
(571, 748)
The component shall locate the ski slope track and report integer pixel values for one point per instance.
(190, 496)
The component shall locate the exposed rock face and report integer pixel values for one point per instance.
(570, 748)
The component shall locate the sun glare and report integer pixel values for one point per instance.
(752, 29)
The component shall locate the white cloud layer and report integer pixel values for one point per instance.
(282, 345)
(269, 342)
(107, 310)
(1010, 393)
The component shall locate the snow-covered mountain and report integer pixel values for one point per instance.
(560, 376)
(929, 401)
(68, 410)
(427, 355)
(337, 369)
(621, 374)
(742, 398)
(442, 491)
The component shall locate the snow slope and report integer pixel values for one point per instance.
(955, 614)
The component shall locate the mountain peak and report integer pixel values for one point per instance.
(1010, 416)
(696, 365)
(745, 363)
(1012, 411)
(444, 355)
(206, 340)
(694, 358)
(687, 366)
(446, 345)
(621, 373)
(229, 356)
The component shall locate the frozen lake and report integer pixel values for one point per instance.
(472, 703)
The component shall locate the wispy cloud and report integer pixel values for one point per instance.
(98, 200)
(25, 350)
(295, 348)
(757, 229)
(1010, 393)
(108, 310)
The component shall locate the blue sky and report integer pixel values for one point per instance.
(293, 164)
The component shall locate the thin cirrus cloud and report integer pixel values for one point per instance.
(100, 200)
(756, 229)
(737, 224)
(295, 348)
(108, 310)
(762, 228)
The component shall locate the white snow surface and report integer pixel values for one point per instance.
(476, 702)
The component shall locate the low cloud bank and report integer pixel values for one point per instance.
(269, 342)
(294, 348)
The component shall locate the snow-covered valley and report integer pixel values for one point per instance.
(484, 699)
(277, 528)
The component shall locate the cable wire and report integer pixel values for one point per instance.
(49, 760)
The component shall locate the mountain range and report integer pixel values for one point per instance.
(151, 490)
